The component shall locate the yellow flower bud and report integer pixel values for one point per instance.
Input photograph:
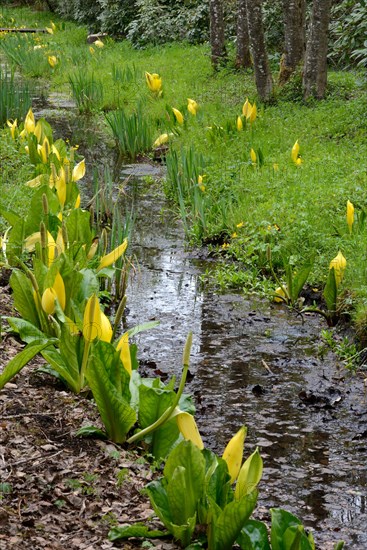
(233, 453)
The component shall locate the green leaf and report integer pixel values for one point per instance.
(142, 327)
(153, 402)
(78, 226)
(91, 431)
(159, 500)
(183, 533)
(284, 530)
(116, 413)
(27, 332)
(11, 217)
(250, 475)
(331, 291)
(88, 285)
(23, 297)
(299, 280)
(19, 361)
(35, 212)
(254, 536)
(232, 519)
(138, 530)
(182, 505)
(61, 365)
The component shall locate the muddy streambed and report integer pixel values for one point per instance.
(252, 363)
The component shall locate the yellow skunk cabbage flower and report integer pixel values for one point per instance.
(93, 249)
(239, 124)
(188, 428)
(192, 106)
(55, 151)
(79, 171)
(52, 61)
(200, 182)
(178, 115)
(154, 81)
(38, 131)
(233, 453)
(60, 185)
(163, 138)
(92, 324)
(48, 301)
(99, 43)
(30, 242)
(77, 202)
(249, 476)
(36, 182)
(113, 256)
(339, 263)
(279, 295)
(295, 152)
(92, 50)
(246, 109)
(253, 113)
(12, 127)
(253, 156)
(53, 26)
(60, 240)
(106, 329)
(350, 215)
(124, 349)
(59, 288)
(29, 122)
(44, 150)
(49, 30)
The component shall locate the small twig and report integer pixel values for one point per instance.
(14, 416)
(267, 367)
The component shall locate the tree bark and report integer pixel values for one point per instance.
(243, 57)
(217, 43)
(315, 69)
(294, 38)
(263, 78)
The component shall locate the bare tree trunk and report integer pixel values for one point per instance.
(294, 38)
(263, 78)
(243, 57)
(315, 69)
(218, 48)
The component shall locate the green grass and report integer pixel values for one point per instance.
(298, 211)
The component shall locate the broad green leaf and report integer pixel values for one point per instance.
(153, 402)
(91, 431)
(27, 332)
(138, 530)
(281, 521)
(35, 211)
(250, 475)
(116, 372)
(19, 361)
(254, 536)
(182, 505)
(23, 297)
(63, 368)
(157, 492)
(78, 226)
(219, 486)
(184, 533)
(11, 217)
(117, 415)
(14, 246)
(331, 291)
(88, 285)
(191, 463)
(228, 525)
(299, 280)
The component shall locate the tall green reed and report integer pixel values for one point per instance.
(15, 96)
(132, 132)
(87, 91)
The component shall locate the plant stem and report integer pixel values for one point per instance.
(167, 413)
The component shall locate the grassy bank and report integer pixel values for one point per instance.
(243, 206)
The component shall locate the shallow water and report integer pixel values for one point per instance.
(255, 363)
(252, 363)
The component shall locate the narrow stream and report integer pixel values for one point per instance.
(252, 363)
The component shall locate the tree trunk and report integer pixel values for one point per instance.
(243, 57)
(315, 69)
(263, 78)
(218, 49)
(294, 38)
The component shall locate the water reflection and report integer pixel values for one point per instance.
(250, 362)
